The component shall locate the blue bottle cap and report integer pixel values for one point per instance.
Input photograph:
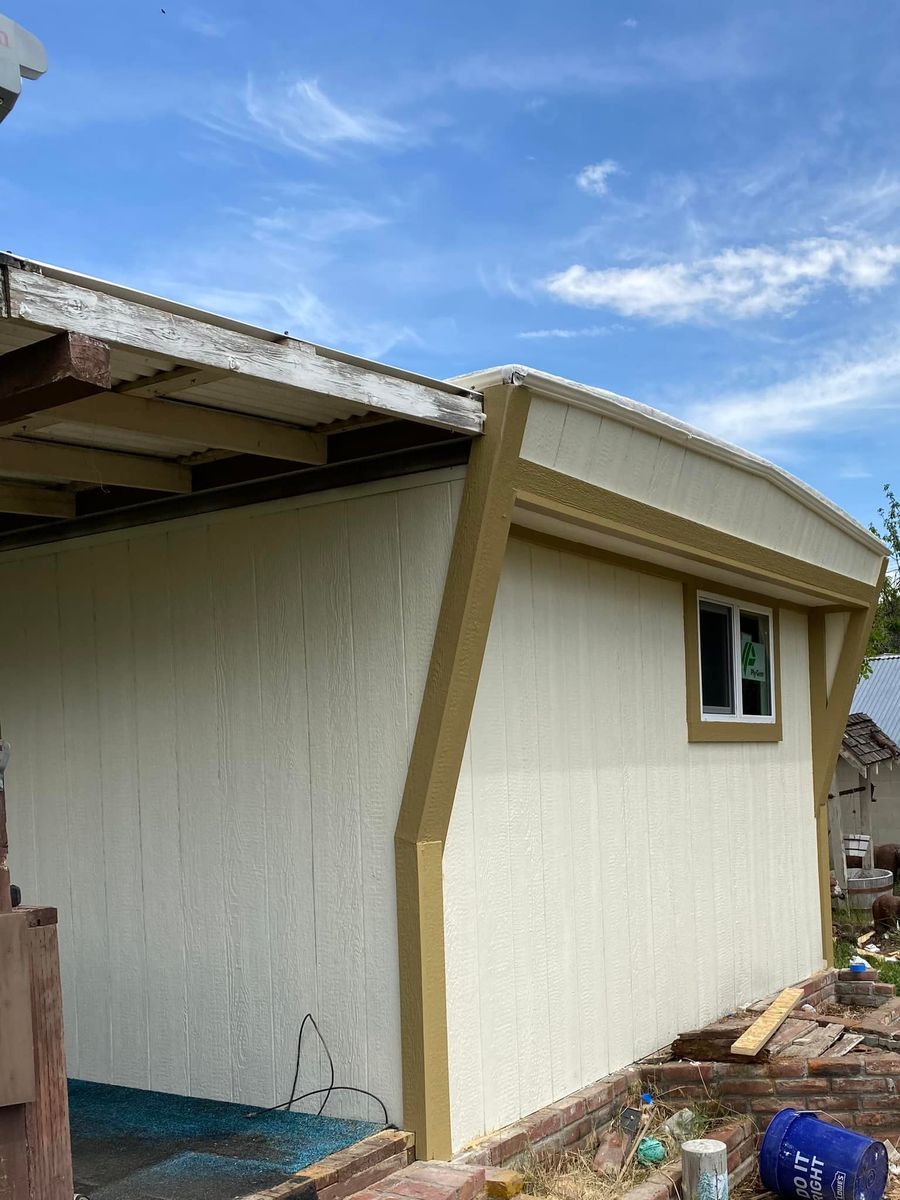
(646, 1098)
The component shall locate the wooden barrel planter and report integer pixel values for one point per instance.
(865, 885)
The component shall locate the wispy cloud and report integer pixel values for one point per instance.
(629, 23)
(595, 177)
(840, 391)
(206, 24)
(299, 116)
(589, 331)
(738, 283)
(315, 225)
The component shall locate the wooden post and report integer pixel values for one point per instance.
(704, 1170)
(836, 834)
(5, 892)
(865, 817)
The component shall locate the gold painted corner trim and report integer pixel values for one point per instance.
(473, 575)
(829, 709)
(726, 731)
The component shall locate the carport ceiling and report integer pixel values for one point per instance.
(111, 399)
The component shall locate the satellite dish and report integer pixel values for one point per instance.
(21, 57)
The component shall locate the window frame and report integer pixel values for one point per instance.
(736, 607)
(736, 726)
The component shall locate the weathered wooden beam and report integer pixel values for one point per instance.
(52, 303)
(54, 371)
(65, 464)
(181, 422)
(36, 501)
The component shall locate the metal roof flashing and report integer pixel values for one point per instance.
(643, 416)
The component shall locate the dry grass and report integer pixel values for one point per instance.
(572, 1177)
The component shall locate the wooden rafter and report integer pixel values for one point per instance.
(36, 501)
(52, 303)
(54, 371)
(65, 464)
(181, 422)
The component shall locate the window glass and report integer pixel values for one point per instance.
(756, 665)
(716, 661)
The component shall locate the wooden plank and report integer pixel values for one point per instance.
(65, 464)
(53, 371)
(16, 1059)
(793, 1028)
(813, 1045)
(754, 1039)
(184, 422)
(47, 1119)
(56, 304)
(843, 1045)
(36, 501)
(13, 1154)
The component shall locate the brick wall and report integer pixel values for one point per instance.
(859, 1090)
(569, 1124)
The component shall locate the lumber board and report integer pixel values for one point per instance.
(753, 1040)
(51, 303)
(36, 501)
(814, 1044)
(793, 1028)
(47, 1119)
(17, 1083)
(87, 464)
(14, 1183)
(844, 1045)
(53, 371)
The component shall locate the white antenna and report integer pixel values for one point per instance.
(21, 57)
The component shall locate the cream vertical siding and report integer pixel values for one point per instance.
(634, 462)
(211, 725)
(608, 884)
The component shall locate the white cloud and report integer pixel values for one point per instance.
(740, 283)
(589, 331)
(594, 178)
(629, 23)
(315, 225)
(841, 391)
(300, 116)
(204, 23)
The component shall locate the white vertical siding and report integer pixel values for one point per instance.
(211, 724)
(607, 884)
(634, 462)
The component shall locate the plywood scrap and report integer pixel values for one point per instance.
(753, 1040)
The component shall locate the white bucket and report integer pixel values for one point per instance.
(856, 845)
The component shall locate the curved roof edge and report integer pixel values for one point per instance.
(672, 429)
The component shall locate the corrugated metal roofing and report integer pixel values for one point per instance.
(879, 695)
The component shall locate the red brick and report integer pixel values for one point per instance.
(885, 989)
(571, 1109)
(575, 1133)
(850, 1064)
(649, 1191)
(741, 1154)
(876, 1120)
(369, 1176)
(506, 1145)
(744, 1071)
(882, 1064)
(787, 1068)
(867, 1084)
(417, 1189)
(682, 1072)
(884, 1102)
(542, 1123)
(747, 1087)
(735, 1133)
(595, 1096)
(848, 976)
(804, 1087)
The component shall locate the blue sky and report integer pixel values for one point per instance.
(697, 206)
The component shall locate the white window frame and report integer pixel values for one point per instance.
(738, 717)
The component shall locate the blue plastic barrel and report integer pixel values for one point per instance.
(803, 1158)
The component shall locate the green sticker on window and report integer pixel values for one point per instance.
(753, 660)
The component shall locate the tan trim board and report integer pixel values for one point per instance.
(546, 490)
(829, 710)
(725, 731)
(472, 579)
(643, 566)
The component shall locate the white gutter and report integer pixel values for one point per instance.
(652, 420)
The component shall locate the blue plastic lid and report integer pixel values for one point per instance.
(858, 968)
(646, 1098)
